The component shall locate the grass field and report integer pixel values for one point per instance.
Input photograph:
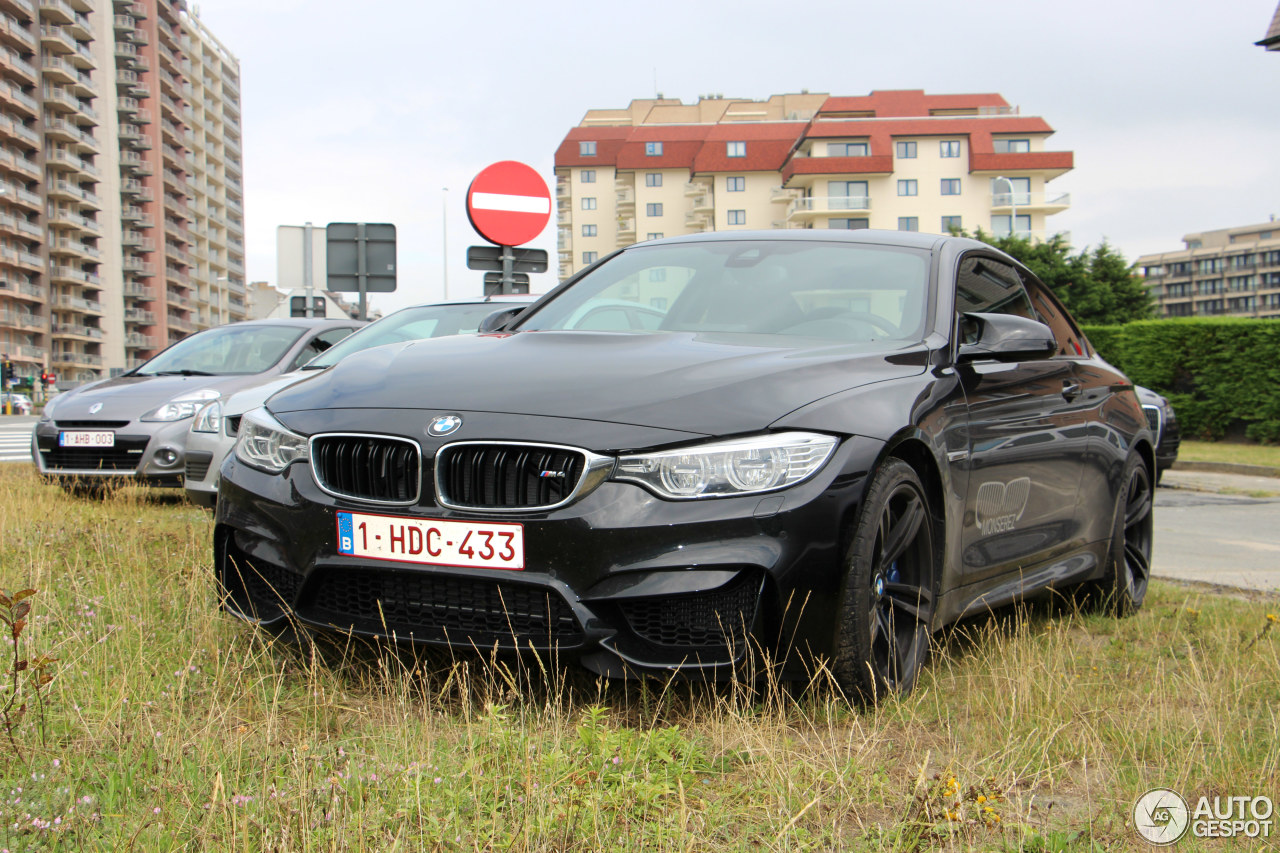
(1223, 451)
(168, 726)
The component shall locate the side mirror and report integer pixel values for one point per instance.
(498, 320)
(1004, 337)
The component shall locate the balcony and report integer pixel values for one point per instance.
(696, 188)
(75, 359)
(58, 11)
(1037, 202)
(22, 320)
(137, 315)
(58, 70)
(139, 291)
(839, 206)
(57, 40)
(135, 340)
(75, 303)
(139, 268)
(75, 330)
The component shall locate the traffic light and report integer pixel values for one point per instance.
(8, 372)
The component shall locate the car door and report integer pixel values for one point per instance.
(1028, 436)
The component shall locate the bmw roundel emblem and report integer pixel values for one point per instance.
(95, 408)
(444, 424)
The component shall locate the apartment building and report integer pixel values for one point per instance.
(893, 159)
(1231, 272)
(120, 230)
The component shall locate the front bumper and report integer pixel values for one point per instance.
(619, 580)
(151, 452)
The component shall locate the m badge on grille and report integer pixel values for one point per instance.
(444, 425)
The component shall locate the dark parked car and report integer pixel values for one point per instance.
(1164, 426)
(135, 425)
(809, 454)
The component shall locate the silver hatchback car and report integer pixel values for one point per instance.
(135, 425)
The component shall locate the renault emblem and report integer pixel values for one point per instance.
(444, 425)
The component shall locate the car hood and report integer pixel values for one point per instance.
(695, 383)
(127, 398)
(255, 395)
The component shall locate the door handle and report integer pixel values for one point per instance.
(1070, 389)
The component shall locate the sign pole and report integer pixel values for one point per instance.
(362, 267)
(508, 267)
(307, 273)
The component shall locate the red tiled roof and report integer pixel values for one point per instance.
(927, 126)
(1063, 160)
(876, 164)
(608, 140)
(675, 155)
(768, 145)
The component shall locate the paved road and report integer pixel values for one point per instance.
(1215, 538)
(15, 438)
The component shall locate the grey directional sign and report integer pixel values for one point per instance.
(361, 257)
(522, 260)
(493, 283)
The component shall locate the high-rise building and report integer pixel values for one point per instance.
(896, 159)
(120, 226)
(1229, 272)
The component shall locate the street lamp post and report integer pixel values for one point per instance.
(1013, 206)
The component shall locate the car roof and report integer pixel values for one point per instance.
(911, 239)
(304, 322)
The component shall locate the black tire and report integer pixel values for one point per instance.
(887, 603)
(1128, 571)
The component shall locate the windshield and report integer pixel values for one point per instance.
(227, 350)
(412, 324)
(846, 292)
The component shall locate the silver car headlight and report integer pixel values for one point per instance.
(728, 468)
(266, 444)
(182, 406)
(209, 418)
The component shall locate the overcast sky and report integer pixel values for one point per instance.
(366, 112)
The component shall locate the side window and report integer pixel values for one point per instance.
(319, 344)
(1050, 312)
(987, 286)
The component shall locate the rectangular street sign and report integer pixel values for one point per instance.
(361, 257)
(490, 258)
(493, 283)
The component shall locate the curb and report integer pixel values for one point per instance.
(1227, 468)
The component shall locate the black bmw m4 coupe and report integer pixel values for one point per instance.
(823, 445)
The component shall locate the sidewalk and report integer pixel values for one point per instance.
(1221, 482)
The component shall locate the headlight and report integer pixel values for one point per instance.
(726, 468)
(182, 406)
(265, 444)
(208, 419)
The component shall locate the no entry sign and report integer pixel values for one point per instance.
(508, 203)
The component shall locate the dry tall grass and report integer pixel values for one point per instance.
(171, 726)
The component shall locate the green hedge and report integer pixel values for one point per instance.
(1222, 375)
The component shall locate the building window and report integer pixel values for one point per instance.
(905, 150)
(589, 203)
(1006, 190)
(849, 224)
(848, 149)
(1011, 146)
(1000, 225)
(951, 186)
(908, 223)
(653, 179)
(908, 187)
(589, 257)
(735, 149)
(949, 148)
(951, 225)
(658, 274)
(653, 235)
(653, 209)
(737, 217)
(653, 149)
(587, 176)
(586, 149)
(588, 230)
(735, 184)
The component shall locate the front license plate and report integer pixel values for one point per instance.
(431, 542)
(87, 438)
